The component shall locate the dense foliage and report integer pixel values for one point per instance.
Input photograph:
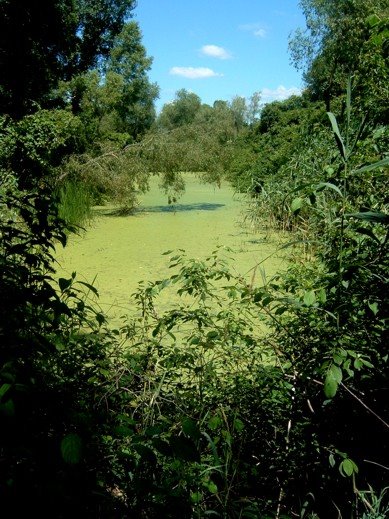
(43, 42)
(242, 400)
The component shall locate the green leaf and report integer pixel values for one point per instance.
(337, 359)
(238, 425)
(332, 381)
(321, 295)
(89, 287)
(329, 185)
(64, 283)
(296, 204)
(309, 298)
(373, 307)
(190, 428)
(100, 318)
(338, 137)
(336, 373)
(214, 422)
(267, 300)
(212, 487)
(367, 363)
(196, 497)
(370, 216)
(369, 167)
(71, 448)
(331, 460)
(330, 386)
(347, 467)
(373, 20)
(3, 390)
(348, 101)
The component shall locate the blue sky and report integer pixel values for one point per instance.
(220, 48)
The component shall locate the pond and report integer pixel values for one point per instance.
(116, 252)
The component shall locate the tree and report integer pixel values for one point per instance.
(238, 108)
(329, 50)
(127, 69)
(253, 108)
(181, 111)
(43, 42)
(117, 102)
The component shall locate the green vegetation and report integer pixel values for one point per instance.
(239, 400)
(117, 252)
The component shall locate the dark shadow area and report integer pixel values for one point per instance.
(173, 208)
(260, 240)
(180, 208)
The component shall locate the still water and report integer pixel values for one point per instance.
(116, 252)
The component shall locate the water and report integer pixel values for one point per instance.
(116, 252)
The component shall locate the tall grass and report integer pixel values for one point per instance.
(75, 202)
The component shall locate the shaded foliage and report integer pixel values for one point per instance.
(43, 42)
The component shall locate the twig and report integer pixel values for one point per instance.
(364, 405)
(378, 464)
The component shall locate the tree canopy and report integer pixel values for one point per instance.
(332, 46)
(43, 42)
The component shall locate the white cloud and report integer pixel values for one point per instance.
(260, 33)
(215, 52)
(193, 72)
(255, 28)
(278, 94)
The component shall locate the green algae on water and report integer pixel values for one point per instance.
(116, 252)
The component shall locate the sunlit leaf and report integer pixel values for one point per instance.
(321, 295)
(309, 298)
(338, 137)
(336, 373)
(373, 20)
(332, 381)
(296, 204)
(347, 467)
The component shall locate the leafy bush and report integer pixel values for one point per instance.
(55, 365)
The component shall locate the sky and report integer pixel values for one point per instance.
(219, 49)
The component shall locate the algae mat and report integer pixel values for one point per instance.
(116, 252)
